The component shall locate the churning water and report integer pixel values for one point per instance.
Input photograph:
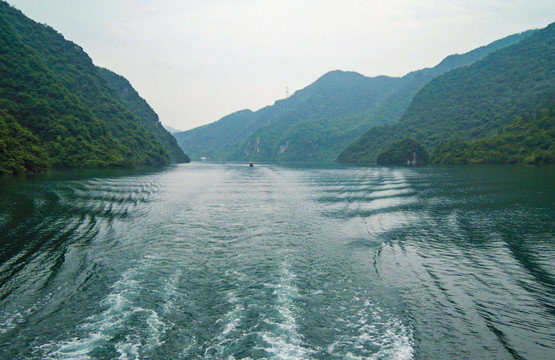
(223, 261)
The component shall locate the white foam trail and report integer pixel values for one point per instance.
(376, 328)
(171, 292)
(10, 322)
(120, 310)
(230, 322)
(286, 342)
(233, 318)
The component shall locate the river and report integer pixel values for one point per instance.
(223, 261)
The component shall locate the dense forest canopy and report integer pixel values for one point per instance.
(404, 152)
(20, 151)
(529, 140)
(31, 95)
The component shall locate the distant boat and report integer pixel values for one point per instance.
(251, 164)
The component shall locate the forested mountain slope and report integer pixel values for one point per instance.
(391, 110)
(529, 140)
(148, 117)
(31, 95)
(20, 151)
(473, 101)
(50, 86)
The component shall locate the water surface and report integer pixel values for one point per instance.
(223, 261)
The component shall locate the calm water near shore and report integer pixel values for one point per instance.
(223, 261)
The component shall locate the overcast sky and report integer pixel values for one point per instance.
(196, 61)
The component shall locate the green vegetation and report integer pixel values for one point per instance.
(473, 101)
(404, 152)
(149, 119)
(50, 87)
(19, 149)
(317, 122)
(30, 93)
(530, 140)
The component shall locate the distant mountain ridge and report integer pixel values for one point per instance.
(474, 101)
(331, 95)
(170, 129)
(319, 121)
(391, 110)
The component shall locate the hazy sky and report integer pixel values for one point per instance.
(195, 61)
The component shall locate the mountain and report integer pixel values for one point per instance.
(67, 114)
(472, 102)
(292, 128)
(391, 110)
(32, 97)
(214, 139)
(171, 130)
(319, 121)
(142, 110)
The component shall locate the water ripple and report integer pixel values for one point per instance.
(223, 261)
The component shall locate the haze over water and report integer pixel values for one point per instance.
(223, 261)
